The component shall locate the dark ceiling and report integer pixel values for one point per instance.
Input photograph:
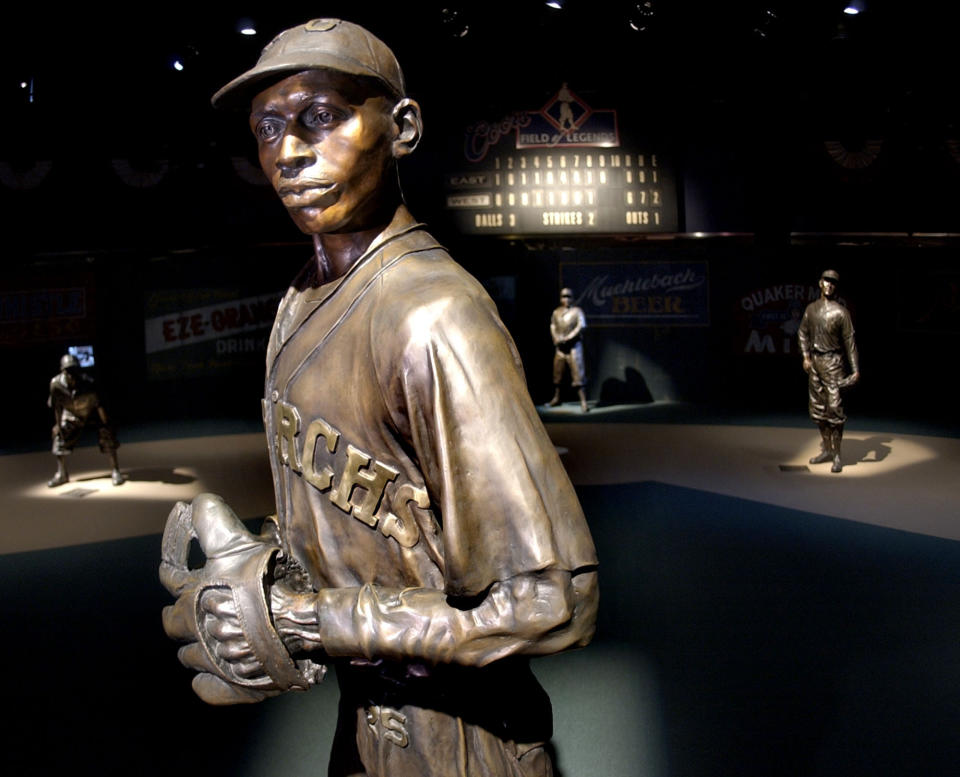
(688, 49)
(771, 75)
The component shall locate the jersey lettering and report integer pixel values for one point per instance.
(372, 478)
(388, 723)
(360, 474)
(319, 428)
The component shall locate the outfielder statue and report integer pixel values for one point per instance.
(75, 404)
(566, 328)
(826, 340)
(427, 540)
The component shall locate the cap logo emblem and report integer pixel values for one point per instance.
(321, 25)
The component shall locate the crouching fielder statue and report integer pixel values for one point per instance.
(427, 540)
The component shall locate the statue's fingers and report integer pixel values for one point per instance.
(180, 620)
(219, 603)
(193, 656)
(236, 651)
(219, 530)
(250, 670)
(213, 690)
(223, 630)
(176, 579)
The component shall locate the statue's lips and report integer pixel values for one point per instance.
(310, 194)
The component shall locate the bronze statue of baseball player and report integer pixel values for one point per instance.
(75, 404)
(826, 339)
(427, 540)
(566, 328)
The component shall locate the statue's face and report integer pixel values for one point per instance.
(326, 147)
(828, 287)
(566, 298)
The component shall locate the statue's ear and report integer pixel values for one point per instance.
(406, 116)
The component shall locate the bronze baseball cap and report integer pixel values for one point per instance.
(831, 275)
(318, 44)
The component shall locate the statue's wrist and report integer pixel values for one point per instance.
(295, 618)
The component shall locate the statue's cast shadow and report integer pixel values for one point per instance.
(145, 475)
(632, 390)
(866, 451)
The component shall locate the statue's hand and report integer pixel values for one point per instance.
(850, 380)
(222, 610)
(807, 364)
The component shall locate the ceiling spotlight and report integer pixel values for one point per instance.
(28, 86)
(557, 4)
(454, 22)
(185, 57)
(766, 24)
(853, 8)
(246, 26)
(641, 15)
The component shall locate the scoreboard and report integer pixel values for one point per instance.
(562, 176)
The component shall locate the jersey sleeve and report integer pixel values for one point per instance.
(849, 342)
(803, 334)
(459, 396)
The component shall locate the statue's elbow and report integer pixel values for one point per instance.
(586, 602)
(575, 623)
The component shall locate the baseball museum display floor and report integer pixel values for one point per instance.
(759, 615)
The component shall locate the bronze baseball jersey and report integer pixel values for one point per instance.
(826, 336)
(410, 465)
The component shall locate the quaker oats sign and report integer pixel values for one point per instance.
(563, 168)
(768, 317)
(640, 293)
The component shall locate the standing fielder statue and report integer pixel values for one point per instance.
(826, 337)
(427, 540)
(566, 327)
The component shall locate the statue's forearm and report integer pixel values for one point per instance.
(532, 614)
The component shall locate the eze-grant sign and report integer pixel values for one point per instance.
(640, 293)
(565, 172)
(210, 322)
(197, 332)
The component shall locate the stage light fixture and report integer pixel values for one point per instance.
(767, 23)
(454, 22)
(27, 86)
(184, 57)
(641, 15)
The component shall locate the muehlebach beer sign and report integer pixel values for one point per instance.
(558, 170)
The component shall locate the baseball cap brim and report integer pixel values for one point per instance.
(242, 89)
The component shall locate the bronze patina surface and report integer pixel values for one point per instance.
(427, 539)
(829, 348)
